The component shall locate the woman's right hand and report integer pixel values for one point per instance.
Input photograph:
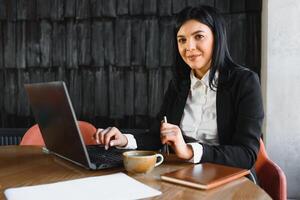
(171, 134)
(110, 137)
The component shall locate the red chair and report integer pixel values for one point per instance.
(271, 177)
(33, 135)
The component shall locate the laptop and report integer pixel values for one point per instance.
(54, 113)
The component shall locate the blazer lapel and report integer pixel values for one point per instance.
(179, 104)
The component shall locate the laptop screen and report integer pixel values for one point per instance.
(56, 118)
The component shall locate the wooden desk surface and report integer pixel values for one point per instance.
(28, 165)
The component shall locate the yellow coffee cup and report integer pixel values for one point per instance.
(139, 161)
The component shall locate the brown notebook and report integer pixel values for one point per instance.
(204, 176)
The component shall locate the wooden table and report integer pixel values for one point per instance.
(28, 165)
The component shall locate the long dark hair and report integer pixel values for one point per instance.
(221, 59)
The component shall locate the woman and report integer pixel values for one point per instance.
(213, 106)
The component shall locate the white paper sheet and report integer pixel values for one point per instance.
(114, 186)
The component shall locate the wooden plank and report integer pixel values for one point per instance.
(238, 38)
(164, 7)
(116, 93)
(167, 76)
(223, 6)
(36, 75)
(84, 43)
(156, 91)
(50, 74)
(150, 7)
(96, 8)
(33, 44)
(109, 47)
(69, 8)
(101, 92)
(135, 7)
(129, 92)
(57, 10)
(227, 19)
(138, 42)
(1, 92)
(82, 9)
(253, 42)
(46, 43)
(200, 2)
(10, 92)
(109, 8)
(97, 44)
(23, 108)
(11, 10)
(75, 91)
(152, 43)
(141, 91)
(3, 8)
(237, 6)
(166, 50)
(228, 22)
(59, 44)
(88, 96)
(43, 9)
(21, 44)
(122, 7)
(1, 47)
(254, 5)
(26, 9)
(178, 5)
(62, 74)
(72, 51)
(10, 44)
(123, 42)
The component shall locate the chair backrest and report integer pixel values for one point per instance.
(271, 177)
(33, 135)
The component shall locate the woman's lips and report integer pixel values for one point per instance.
(192, 57)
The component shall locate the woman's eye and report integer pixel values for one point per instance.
(198, 37)
(181, 40)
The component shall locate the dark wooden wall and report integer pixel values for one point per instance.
(114, 55)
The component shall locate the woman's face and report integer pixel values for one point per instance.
(195, 45)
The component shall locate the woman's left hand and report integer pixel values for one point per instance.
(171, 134)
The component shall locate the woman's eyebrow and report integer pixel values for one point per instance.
(198, 31)
(194, 33)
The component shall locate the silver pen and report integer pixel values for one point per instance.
(166, 147)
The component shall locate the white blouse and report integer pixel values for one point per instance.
(199, 119)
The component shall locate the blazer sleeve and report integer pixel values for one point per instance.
(243, 144)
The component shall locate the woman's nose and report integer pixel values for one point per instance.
(190, 45)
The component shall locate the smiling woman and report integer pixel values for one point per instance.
(213, 105)
(195, 45)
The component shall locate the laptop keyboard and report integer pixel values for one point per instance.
(99, 155)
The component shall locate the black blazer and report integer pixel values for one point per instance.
(239, 118)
